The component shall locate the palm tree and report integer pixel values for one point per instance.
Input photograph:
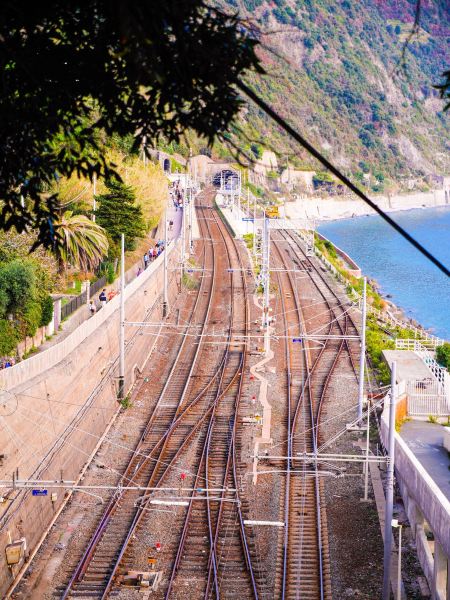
(83, 243)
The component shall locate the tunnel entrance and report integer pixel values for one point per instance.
(226, 178)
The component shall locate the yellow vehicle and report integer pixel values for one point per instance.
(272, 212)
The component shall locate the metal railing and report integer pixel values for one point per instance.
(426, 397)
(81, 299)
(73, 305)
(97, 285)
(429, 396)
(424, 353)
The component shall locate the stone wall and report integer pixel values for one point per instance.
(57, 404)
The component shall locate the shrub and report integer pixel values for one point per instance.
(47, 310)
(110, 274)
(443, 355)
(9, 337)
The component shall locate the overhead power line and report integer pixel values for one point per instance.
(305, 144)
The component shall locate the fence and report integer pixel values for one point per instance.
(418, 347)
(81, 299)
(100, 283)
(429, 396)
(73, 305)
(426, 397)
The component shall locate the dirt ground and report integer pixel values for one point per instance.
(355, 542)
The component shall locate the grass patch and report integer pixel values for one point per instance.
(126, 402)
(189, 282)
(248, 239)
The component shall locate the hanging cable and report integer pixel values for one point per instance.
(301, 140)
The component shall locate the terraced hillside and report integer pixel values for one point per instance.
(335, 70)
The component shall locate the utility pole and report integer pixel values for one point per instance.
(366, 464)
(144, 145)
(165, 294)
(248, 208)
(94, 190)
(254, 226)
(389, 489)
(363, 352)
(265, 271)
(239, 196)
(121, 393)
(183, 238)
(190, 205)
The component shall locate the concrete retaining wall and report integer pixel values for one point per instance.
(323, 209)
(59, 403)
(423, 500)
(350, 265)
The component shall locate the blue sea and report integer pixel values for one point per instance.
(415, 284)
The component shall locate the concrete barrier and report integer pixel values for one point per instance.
(59, 403)
(33, 366)
(425, 505)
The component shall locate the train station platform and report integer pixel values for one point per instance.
(426, 441)
(409, 365)
(239, 220)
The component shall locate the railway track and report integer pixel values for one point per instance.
(187, 418)
(303, 565)
(214, 556)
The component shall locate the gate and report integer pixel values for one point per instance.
(426, 397)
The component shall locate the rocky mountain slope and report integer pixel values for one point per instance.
(338, 70)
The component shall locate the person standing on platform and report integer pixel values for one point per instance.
(102, 297)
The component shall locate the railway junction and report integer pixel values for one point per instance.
(207, 482)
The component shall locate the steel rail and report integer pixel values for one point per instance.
(89, 552)
(205, 458)
(231, 459)
(291, 433)
(142, 508)
(315, 418)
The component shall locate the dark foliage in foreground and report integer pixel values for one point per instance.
(72, 73)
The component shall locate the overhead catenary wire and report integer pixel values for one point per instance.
(111, 443)
(326, 163)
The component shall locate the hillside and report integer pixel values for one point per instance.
(332, 71)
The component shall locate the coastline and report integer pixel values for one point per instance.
(333, 209)
(410, 307)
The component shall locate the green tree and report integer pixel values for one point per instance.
(9, 337)
(84, 242)
(443, 355)
(17, 285)
(22, 310)
(47, 310)
(74, 73)
(118, 213)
